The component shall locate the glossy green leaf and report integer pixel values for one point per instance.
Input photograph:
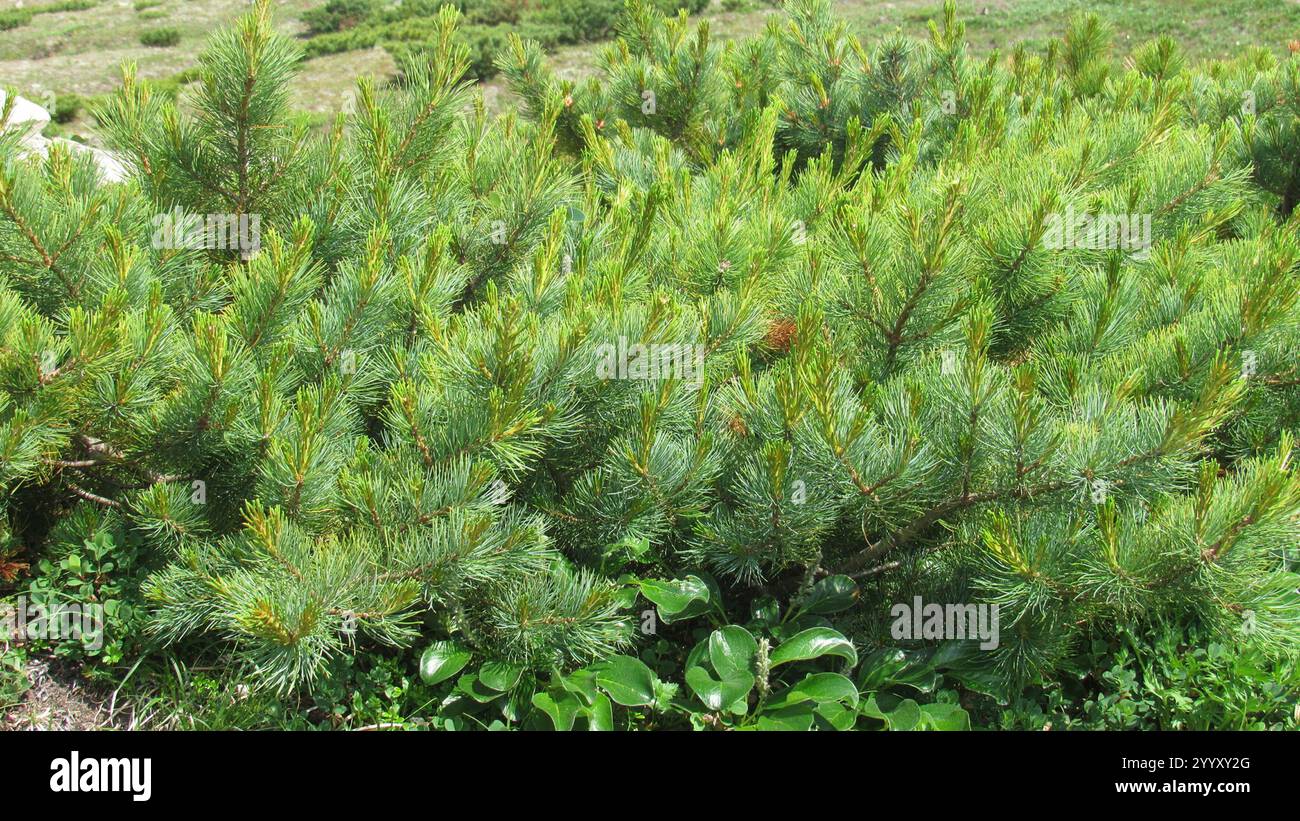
(795, 717)
(807, 621)
(627, 680)
(812, 644)
(837, 715)
(719, 694)
(871, 708)
(634, 546)
(600, 715)
(943, 716)
(765, 611)
(677, 599)
(581, 683)
(699, 654)
(442, 660)
(626, 596)
(921, 679)
(830, 595)
(499, 675)
(879, 667)
(956, 654)
(885, 668)
(562, 708)
(732, 650)
(983, 681)
(906, 716)
(470, 685)
(824, 687)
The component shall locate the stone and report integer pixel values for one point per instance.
(29, 120)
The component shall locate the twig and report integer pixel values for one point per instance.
(877, 570)
(92, 497)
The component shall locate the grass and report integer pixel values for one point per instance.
(77, 45)
(1206, 29)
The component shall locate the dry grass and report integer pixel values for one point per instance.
(57, 700)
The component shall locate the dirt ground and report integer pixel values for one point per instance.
(58, 700)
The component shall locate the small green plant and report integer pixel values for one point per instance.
(97, 578)
(14, 19)
(66, 107)
(160, 38)
(1173, 679)
(338, 15)
(13, 674)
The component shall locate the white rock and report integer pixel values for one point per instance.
(30, 120)
(27, 117)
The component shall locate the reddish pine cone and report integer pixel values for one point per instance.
(780, 334)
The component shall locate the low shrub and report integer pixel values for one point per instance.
(14, 19)
(339, 42)
(160, 38)
(493, 12)
(94, 565)
(66, 5)
(580, 20)
(338, 15)
(66, 107)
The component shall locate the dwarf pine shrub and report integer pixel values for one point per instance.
(1015, 333)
